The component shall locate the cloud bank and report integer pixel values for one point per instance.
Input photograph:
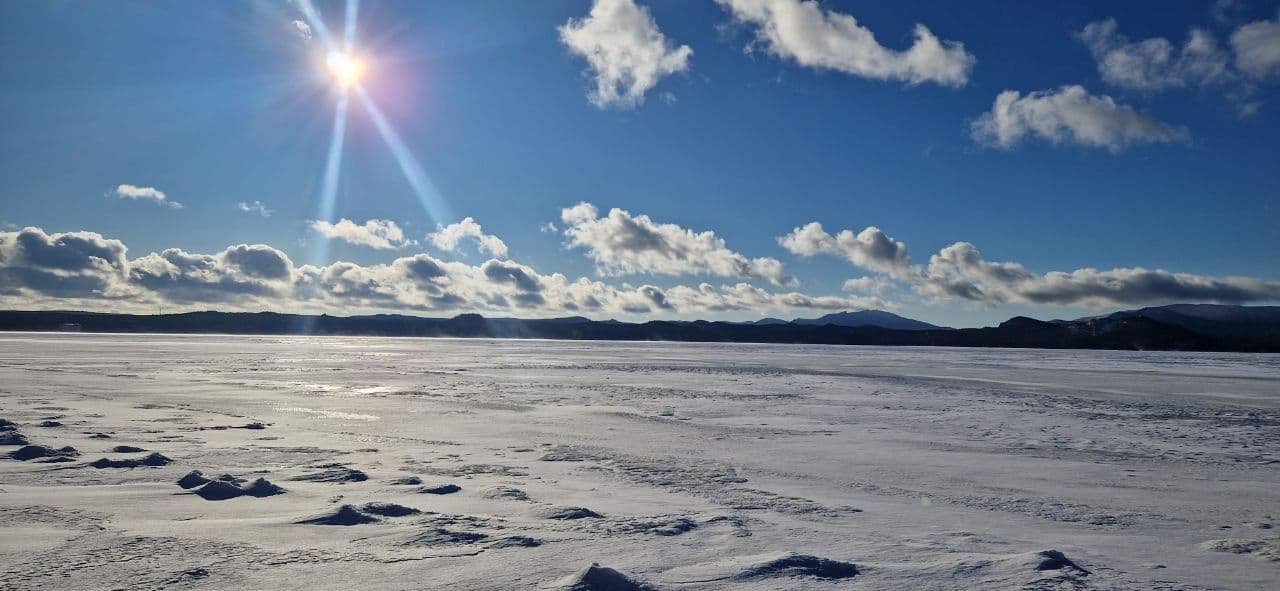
(960, 272)
(802, 31)
(626, 53)
(623, 244)
(88, 271)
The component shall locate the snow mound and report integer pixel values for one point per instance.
(762, 567)
(567, 513)
(217, 490)
(262, 488)
(32, 452)
(193, 479)
(153, 459)
(599, 578)
(335, 473)
(440, 489)
(504, 492)
(790, 564)
(344, 515)
(389, 509)
(228, 487)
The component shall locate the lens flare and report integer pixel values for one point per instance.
(346, 69)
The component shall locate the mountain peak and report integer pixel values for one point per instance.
(878, 318)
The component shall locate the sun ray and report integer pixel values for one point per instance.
(332, 169)
(428, 196)
(349, 34)
(346, 69)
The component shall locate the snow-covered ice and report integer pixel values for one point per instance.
(378, 463)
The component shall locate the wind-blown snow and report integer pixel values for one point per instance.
(665, 465)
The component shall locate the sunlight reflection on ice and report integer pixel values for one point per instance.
(329, 414)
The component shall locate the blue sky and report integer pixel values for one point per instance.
(1164, 164)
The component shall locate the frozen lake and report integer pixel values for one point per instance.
(682, 466)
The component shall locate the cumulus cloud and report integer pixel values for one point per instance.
(870, 249)
(144, 194)
(1070, 115)
(380, 234)
(1257, 47)
(62, 264)
(802, 31)
(302, 29)
(1155, 63)
(255, 207)
(448, 238)
(626, 53)
(623, 244)
(239, 272)
(960, 272)
(87, 271)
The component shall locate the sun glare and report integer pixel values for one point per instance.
(345, 68)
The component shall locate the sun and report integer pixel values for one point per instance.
(345, 68)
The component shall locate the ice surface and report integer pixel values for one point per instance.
(664, 465)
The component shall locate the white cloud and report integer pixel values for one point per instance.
(870, 249)
(1070, 115)
(802, 31)
(255, 207)
(625, 52)
(447, 238)
(1155, 64)
(87, 271)
(380, 234)
(256, 272)
(1257, 47)
(623, 244)
(64, 264)
(743, 296)
(959, 272)
(302, 29)
(867, 285)
(145, 194)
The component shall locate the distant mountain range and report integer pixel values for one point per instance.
(1177, 327)
(1227, 322)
